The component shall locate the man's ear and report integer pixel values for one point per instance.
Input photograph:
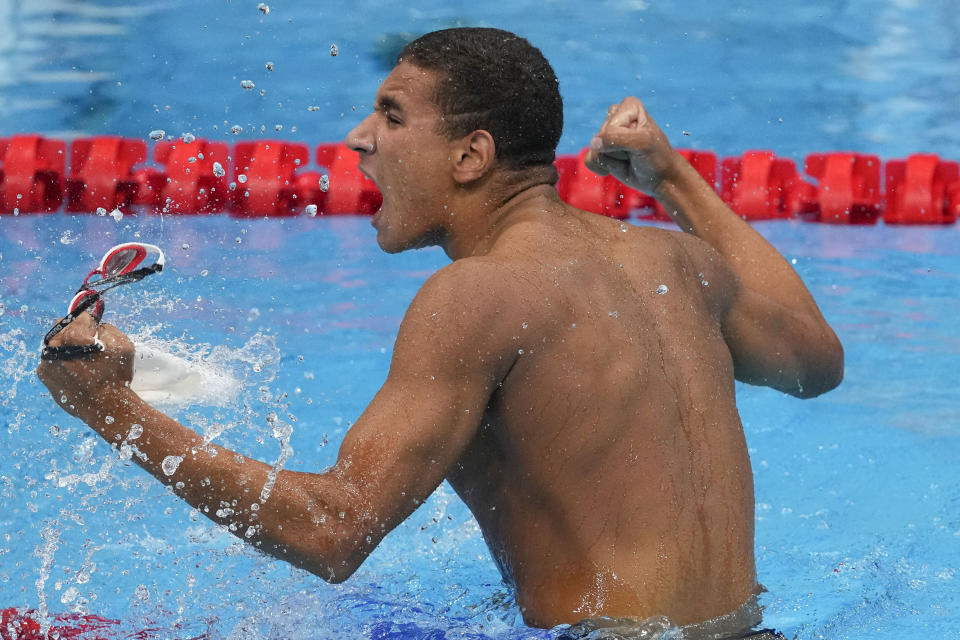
(473, 156)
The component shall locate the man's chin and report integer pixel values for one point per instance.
(387, 242)
(392, 244)
(386, 247)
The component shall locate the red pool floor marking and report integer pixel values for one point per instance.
(17, 624)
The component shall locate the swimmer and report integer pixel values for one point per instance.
(572, 377)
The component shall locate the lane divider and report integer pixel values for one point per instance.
(272, 178)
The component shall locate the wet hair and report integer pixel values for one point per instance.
(496, 81)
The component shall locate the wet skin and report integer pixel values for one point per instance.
(571, 376)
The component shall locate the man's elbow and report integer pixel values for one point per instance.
(825, 374)
(332, 565)
(333, 554)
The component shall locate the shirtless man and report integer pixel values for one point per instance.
(571, 376)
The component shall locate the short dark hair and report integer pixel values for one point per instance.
(497, 81)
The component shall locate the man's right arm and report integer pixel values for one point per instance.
(453, 348)
(776, 333)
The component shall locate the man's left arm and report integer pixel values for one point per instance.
(447, 360)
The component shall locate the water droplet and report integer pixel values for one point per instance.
(157, 134)
(247, 84)
(185, 246)
(311, 209)
(704, 282)
(662, 289)
(218, 170)
(242, 178)
(141, 593)
(614, 314)
(101, 211)
(188, 137)
(278, 127)
(136, 430)
(116, 214)
(170, 464)
(624, 227)
(524, 325)
(67, 238)
(269, 66)
(324, 183)
(108, 419)
(520, 351)
(236, 129)
(264, 8)
(313, 107)
(204, 273)
(334, 51)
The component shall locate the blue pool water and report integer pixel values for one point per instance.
(858, 493)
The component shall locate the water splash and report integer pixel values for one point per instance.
(50, 534)
(172, 375)
(15, 360)
(282, 432)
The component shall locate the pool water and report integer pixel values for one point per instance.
(858, 492)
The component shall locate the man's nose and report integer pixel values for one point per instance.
(361, 138)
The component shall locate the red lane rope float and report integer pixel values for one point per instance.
(849, 186)
(760, 186)
(193, 178)
(271, 178)
(31, 176)
(100, 172)
(922, 188)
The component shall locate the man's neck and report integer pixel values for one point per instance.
(483, 216)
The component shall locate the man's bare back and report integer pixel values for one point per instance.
(572, 376)
(610, 474)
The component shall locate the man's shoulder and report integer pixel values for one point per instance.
(469, 307)
(475, 278)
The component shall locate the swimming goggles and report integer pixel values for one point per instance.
(123, 264)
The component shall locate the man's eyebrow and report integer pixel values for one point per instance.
(388, 103)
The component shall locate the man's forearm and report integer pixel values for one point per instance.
(294, 523)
